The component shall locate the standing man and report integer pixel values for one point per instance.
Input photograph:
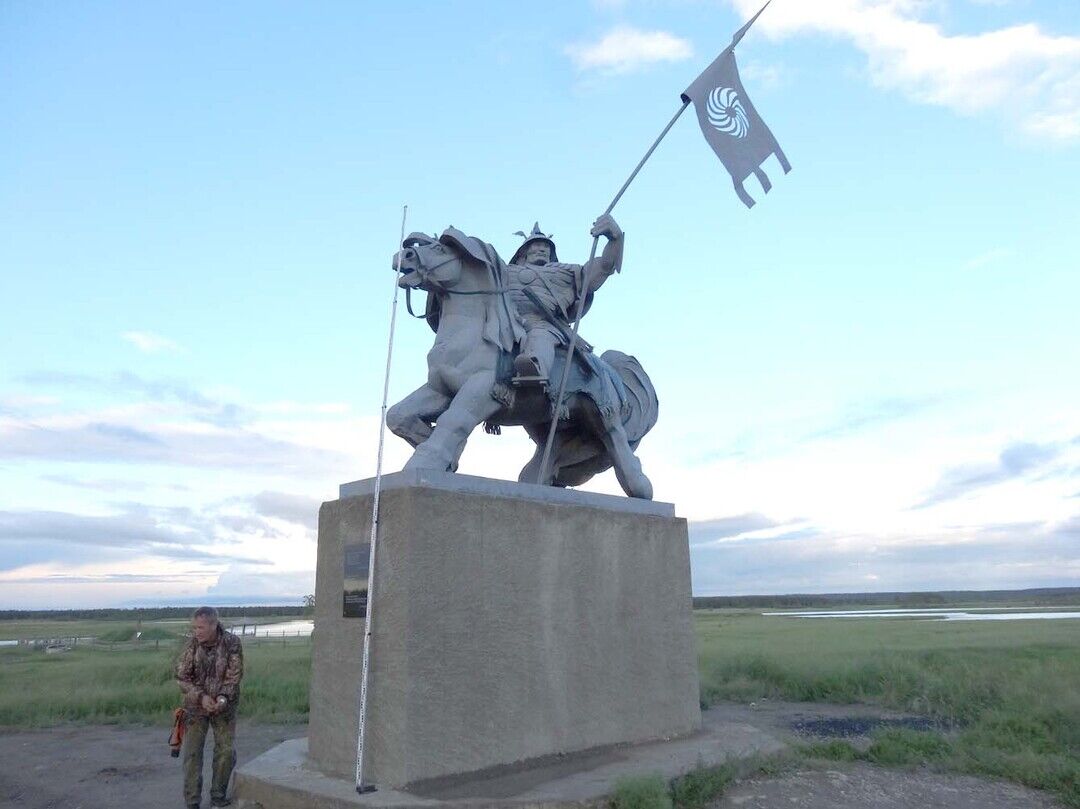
(209, 673)
(545, 292)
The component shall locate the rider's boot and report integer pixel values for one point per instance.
(527, 368)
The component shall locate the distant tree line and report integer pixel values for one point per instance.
(148, 613)
(1042, 597)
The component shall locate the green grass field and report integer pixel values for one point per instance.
(1008, 691)
(139, 686)
(20, 630)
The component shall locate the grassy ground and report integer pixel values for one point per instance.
(96, 685)
(30, 629)
(1009, 691)
(698, 788)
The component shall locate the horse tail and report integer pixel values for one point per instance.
(644, 406)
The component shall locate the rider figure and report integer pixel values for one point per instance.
(546, 293)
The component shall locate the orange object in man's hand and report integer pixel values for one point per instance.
(176, 738)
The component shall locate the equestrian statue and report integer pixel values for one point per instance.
(502, 333)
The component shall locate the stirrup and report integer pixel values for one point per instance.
(527, 372)
(525, 381)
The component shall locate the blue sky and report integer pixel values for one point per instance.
(867, 381)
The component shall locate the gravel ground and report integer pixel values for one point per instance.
(109, 767)
(860, 785)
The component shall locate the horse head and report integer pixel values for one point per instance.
(436, 264)
(455, 268)
(427, 263)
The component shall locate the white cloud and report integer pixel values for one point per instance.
(761, 74)
(992, 256)
(824, 495)
(150, 343)
(279, 586)
(288, 407)
(1028, 78)
(624, 49)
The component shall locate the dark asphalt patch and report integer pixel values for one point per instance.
(850, 727)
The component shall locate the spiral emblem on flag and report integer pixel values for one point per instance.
(726, 113)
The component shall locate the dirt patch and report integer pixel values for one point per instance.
(108, 767)
(855, 726)
(798, 721)
(861, 785)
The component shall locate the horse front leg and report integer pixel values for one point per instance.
(412, 417)
(471, 406)
(627, 465)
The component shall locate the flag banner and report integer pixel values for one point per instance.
(731, 124)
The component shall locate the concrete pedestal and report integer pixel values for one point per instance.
(512, 622)
(281, 778)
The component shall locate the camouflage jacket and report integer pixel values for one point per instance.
(213, 670)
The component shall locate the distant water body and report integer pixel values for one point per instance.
(287, 628)
(291, 629)
(938, 614)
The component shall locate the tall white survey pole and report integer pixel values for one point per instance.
(360, 785)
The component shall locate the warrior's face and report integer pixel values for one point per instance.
(537, 252)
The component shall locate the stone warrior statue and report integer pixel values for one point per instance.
(485, 314)
(545, 293)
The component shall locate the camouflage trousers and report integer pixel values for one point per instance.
(224, 726)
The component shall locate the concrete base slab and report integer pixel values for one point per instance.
(282, 778)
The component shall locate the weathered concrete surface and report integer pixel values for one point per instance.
(282, 778)
(506, 628)
(457, 482)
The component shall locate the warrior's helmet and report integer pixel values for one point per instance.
(536, 236)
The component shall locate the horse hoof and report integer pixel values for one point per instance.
(641, 489)
(426, 461)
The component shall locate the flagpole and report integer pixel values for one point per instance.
(648, 154)
(362, 787)
(584, 293)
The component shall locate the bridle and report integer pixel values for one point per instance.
(425, 272)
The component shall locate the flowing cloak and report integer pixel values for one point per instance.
(502, 325)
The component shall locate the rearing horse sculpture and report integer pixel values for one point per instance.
(610, 403)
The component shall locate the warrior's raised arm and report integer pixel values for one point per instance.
(600, 268)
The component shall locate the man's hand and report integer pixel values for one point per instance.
(208, 704)
(606, 226)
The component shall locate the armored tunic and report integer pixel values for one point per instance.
(554, 286)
